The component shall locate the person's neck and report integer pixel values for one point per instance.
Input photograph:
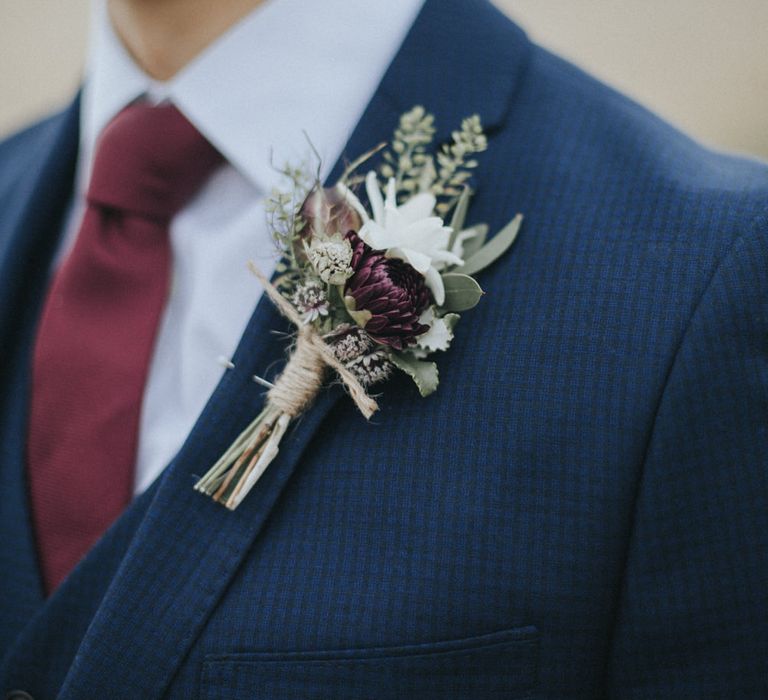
(163, 36)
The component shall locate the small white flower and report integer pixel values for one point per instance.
(462, 237)
(410, 232)
(439, 335)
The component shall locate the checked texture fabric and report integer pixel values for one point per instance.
(579, 512)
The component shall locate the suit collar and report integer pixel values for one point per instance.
(187, 549)
(256, 115)
(461, 57)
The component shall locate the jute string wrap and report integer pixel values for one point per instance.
(302, 377)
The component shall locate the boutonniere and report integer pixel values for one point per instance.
(371, 289)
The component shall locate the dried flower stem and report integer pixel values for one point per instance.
(240, 467)
(355, 164)
(251, 451)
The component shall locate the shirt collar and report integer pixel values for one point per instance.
(290, 71)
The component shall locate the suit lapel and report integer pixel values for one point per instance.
(31, 212)
(187, 548)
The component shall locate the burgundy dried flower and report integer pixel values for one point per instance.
(386, 296)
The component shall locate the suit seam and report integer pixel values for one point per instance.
(755, 226)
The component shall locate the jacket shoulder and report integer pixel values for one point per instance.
(626, 217)
(583, 137)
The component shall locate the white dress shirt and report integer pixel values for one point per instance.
(289, 67)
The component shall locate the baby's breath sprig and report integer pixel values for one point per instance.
(408, 158)
(454, 163)
(282, 207)
(285, 221)
(415, 170)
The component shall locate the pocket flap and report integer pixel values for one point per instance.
(498, 665)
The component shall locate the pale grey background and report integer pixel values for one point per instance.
(702, 64)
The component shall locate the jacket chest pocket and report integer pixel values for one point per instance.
(498, 665)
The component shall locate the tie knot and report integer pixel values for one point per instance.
(149, 161)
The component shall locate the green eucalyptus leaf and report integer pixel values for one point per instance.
(424, 374)
(494, 249)
(473, 244)
(461, 292)
(459, 215)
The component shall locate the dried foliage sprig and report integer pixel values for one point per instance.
(408, 159)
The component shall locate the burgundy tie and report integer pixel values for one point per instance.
(98, 328)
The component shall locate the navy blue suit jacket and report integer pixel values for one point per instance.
(578, 512)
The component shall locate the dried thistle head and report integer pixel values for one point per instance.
(331, 258)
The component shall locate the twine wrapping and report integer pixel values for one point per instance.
(302, 377)
(241, 466)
